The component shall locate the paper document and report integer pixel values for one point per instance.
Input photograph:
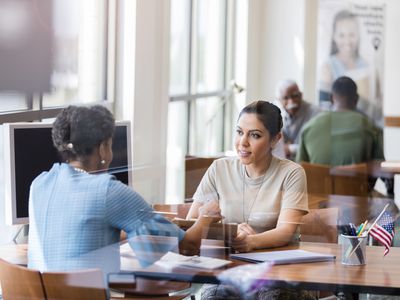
(171, 260)
(284, 257)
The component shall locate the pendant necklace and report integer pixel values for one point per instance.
(246, 220)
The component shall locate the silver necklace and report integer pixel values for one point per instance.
(246, 220)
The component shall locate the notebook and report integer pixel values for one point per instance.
(284, 257)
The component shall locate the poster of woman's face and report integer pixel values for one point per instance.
(350, 43)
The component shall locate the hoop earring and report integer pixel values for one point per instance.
(102, 161)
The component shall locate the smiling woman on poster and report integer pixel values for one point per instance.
(344, 59)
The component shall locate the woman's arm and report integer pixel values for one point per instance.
(288, 221)
(194, 210)
(207, 214)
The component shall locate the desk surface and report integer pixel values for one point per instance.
(379, 275)
(371, 168)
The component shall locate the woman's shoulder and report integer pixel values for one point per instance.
(48, 175)
(228, 161)
(286, 165)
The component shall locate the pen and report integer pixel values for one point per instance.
(361, 230)
(353, 229)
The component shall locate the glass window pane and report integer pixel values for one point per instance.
(206, 126)
(209, 42)
(79, 52)
(179, 47)
(12, 102)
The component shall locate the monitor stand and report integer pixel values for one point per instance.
(21, 237)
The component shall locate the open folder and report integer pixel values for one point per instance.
(284, 257)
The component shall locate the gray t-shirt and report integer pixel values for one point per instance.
(257, 201)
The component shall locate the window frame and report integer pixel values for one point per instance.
(228, 71)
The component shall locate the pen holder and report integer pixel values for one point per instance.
(349, 255)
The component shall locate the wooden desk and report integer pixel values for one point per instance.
(371, 168)
(379, 275)
(376, 170)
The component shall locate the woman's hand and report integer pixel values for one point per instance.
(243, 242)
(210, 211)
(246, 229)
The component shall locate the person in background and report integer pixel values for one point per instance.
(266, 195)
(77, 210)
(295, 112)
(343, 136)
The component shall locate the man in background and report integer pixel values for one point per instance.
(343, 136)
(295, 113)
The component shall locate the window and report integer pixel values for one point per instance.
(79, 66)
(79, 45)
(208, 47)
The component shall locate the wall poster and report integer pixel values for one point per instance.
(351, 43)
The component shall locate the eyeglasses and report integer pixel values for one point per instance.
(294, 96)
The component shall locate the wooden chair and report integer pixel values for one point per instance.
(20, 283)
(88, 284)
(319, 180)
(351, 180)
(78, 285)
(320, 225)
(195, 167)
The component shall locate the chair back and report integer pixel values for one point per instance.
(173, 210)
(320, 225)
(350, 180)
(76, 285)
(319, 180)
(195, 167)
(20, 282)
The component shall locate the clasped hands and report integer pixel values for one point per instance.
(243, 240)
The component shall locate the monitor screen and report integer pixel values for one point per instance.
(29, 151)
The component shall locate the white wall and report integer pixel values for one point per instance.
(142, 89)
(391, 105)
(282, 44)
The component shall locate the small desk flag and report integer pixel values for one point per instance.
(383, 231)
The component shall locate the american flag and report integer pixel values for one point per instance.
(383, 231)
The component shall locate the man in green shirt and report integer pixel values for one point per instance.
(343, 136)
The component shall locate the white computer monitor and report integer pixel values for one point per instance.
(29, 151)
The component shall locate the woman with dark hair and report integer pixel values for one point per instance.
(77, 210)
(266, 195)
